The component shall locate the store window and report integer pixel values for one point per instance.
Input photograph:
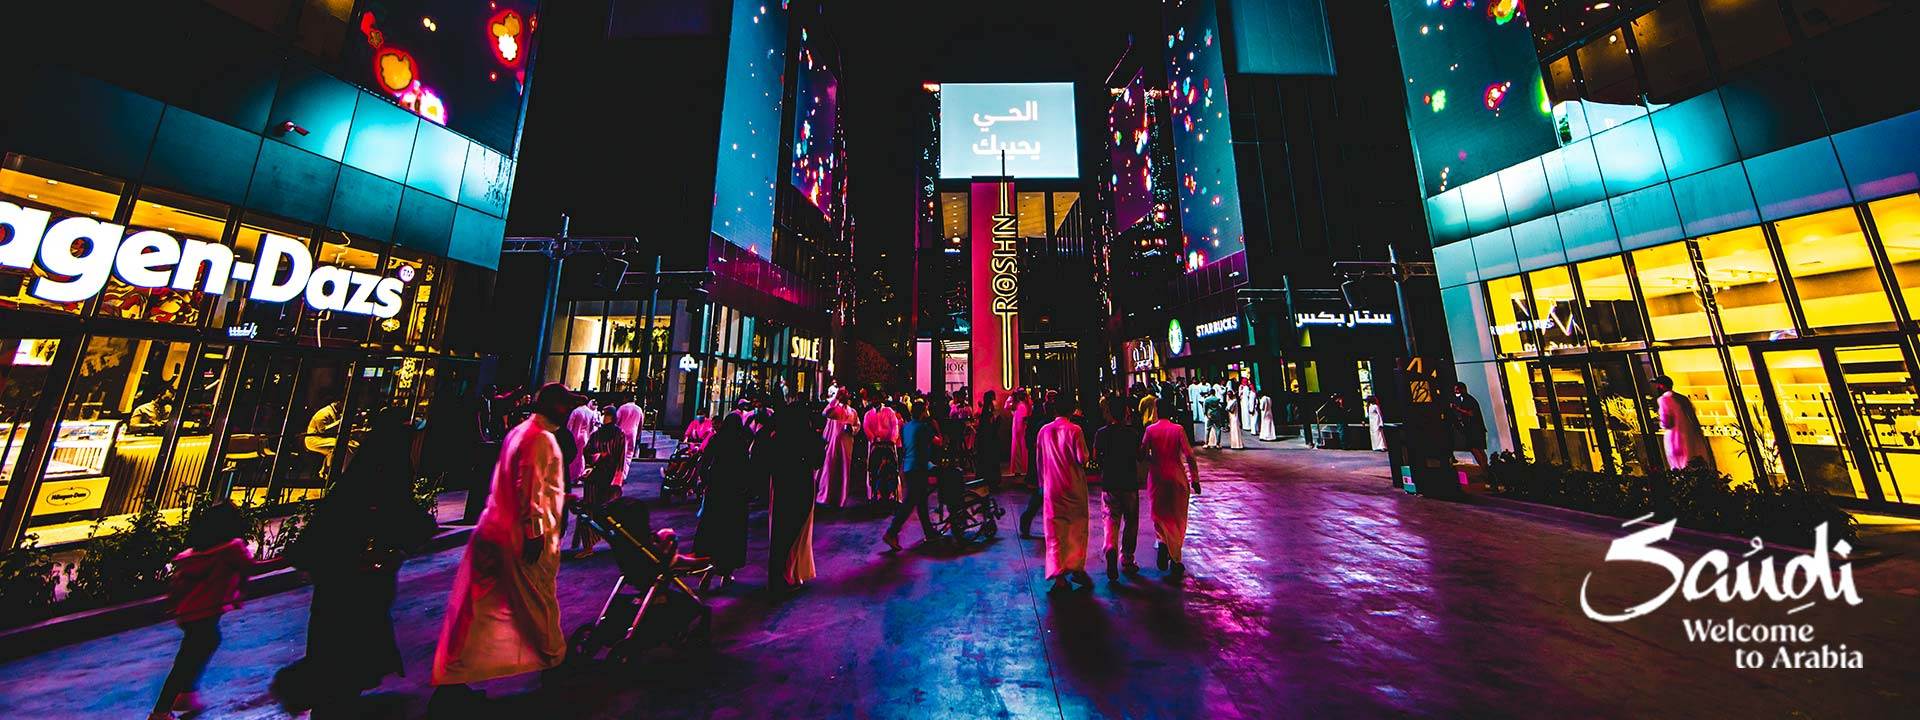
(322, 419)
(199, 392)
(1766, 447)
(182, 217)
(1745, 284)
(263, 320)
(118, 413)
(421, 301)
(256, 423)
(62, 191)
(1745, 30)
(1833, 271)
(1699, 375)
(1612, 314)
(589, 321)
(1531, 405)
(1513, 326)
(333, 328)
(1607, 66)
(1898, 223)
(1560, 325)
(24, 363)
(1671, 292)
(1671, 53)
(1819, 442)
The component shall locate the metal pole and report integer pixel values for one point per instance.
(646, 351)
(556, 254)
(1400, 298)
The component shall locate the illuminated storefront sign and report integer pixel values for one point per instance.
(995, 312)
(1346, 319)
(1223, 325)
(1141, 355)
(1176, 338)
(807, 349)
(79, 255)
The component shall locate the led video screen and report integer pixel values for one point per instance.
(460, 64)
(1210, 225)
(1130, 124)
(1029, 125)
(1475, 100)
(814, 133)
(747, 168)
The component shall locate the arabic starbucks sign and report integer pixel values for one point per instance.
(77, 255)
(1029, 125)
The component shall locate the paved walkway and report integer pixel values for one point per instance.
(1316, 591)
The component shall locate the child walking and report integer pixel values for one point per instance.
(205, 585)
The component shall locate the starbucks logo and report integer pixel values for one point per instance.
(1176, 338)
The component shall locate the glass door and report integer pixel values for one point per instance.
(1879, 385)
(1573, 418)
(1618, 385)
(1816, 441)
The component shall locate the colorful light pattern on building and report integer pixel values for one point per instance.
(1210, 223)
(816, 132)
(1131, 181)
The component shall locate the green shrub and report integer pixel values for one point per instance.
(27, 579)
(1699, 498)
(130, 563)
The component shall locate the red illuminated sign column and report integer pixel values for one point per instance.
(994, 243)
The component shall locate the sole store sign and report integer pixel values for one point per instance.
(79, 255)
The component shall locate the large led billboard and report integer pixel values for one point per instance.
(747, 169)
(1028, 125)
(460, 64)
(1130, 123)
(1475, 100)
(1210, 224)
(814, 132)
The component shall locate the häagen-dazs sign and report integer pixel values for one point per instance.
(80, 254)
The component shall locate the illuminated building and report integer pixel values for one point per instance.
(960, 340)
(244, 213)
(1265, 162)
(720, 150)
(1722, 192)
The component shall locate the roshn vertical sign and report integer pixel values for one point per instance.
(995, 309)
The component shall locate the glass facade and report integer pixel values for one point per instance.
(154, 395)
(1802, 376)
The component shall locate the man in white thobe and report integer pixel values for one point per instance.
(1061, 450)
(1197, 402)
(630, 417)
(503, 616)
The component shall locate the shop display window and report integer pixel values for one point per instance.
(331, 328)
(24, 363)
(256, 423)
(184, 218)
(1560, 326)
(1528, 399)
(1766, 447)
(1612, 314)
(1880, 384)
(1513, 325)
(1671, 292)
(322, 419)
(1808, 409)
(588, 327)
(62, 191)
(262, 320)
(421, 311)
(1745, 284)
(1833, 272)
(1898, 223)
(106, 454)
(1700, 375)
(1616, 384)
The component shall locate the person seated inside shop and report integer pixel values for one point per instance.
(150, 416)
(323, 433)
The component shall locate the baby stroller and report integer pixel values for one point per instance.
(652, 604)
(680, 477)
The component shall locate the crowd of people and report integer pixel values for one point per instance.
(903, 454)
